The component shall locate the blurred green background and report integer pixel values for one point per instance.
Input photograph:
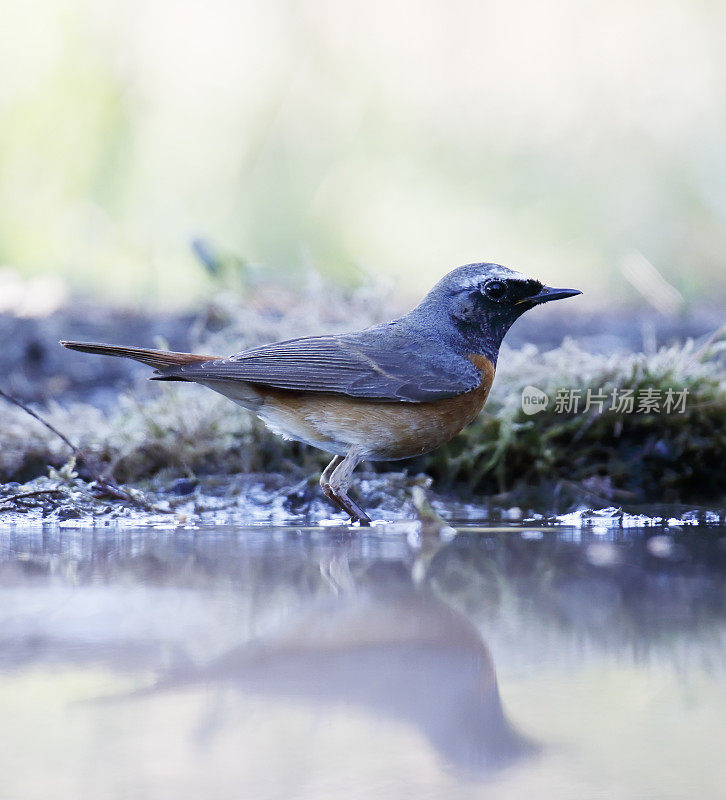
(388, 137)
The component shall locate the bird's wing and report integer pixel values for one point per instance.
(369, 365)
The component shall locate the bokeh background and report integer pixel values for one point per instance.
(160, 162)
(580, 142)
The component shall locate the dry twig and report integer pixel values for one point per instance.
(103, 486)
(10, 499)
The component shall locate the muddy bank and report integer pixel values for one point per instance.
(398, 502)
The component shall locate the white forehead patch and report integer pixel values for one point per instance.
(493, 272)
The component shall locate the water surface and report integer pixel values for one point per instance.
(323, 662)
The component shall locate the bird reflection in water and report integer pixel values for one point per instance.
(387, 648)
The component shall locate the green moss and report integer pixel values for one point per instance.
(656, 456)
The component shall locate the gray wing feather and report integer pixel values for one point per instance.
(378, 364)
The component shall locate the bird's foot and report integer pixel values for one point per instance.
(345, 503)
(335, 481)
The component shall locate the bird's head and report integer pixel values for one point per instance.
(481, 301)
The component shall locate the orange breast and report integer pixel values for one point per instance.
(385, 431)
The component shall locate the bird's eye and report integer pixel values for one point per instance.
(495, 290)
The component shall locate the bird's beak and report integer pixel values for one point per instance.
(548, 293)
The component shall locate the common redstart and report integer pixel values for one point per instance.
(385, 393)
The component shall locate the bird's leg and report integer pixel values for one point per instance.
(325, 482)
(340, 481)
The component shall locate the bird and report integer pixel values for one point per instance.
(389, 392)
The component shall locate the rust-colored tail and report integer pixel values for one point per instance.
(159, 359)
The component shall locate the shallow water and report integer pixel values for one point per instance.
(511, 662)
